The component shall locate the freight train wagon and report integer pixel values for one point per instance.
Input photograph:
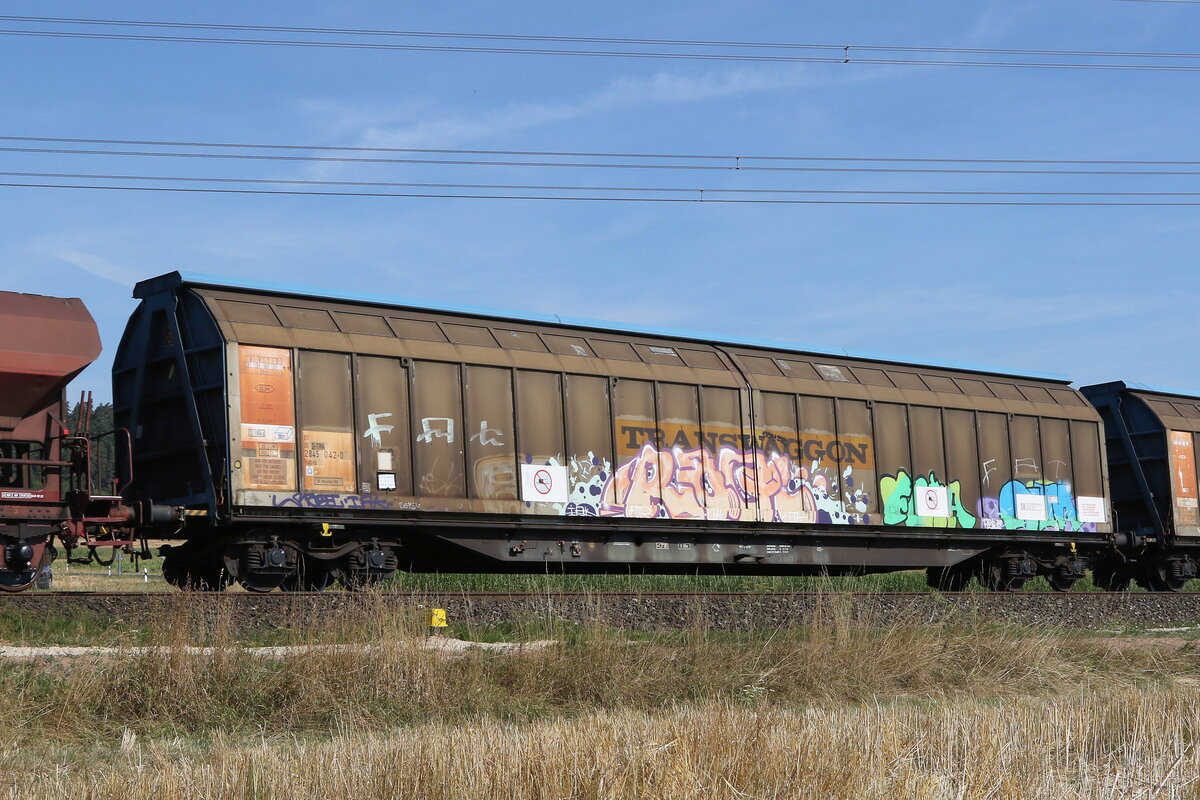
(1151, 441)
(308, 438)
(44, 343)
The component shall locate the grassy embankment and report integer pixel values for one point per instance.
(836, 709)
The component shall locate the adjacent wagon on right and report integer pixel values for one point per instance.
(1152, 437)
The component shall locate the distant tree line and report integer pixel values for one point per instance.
(104, 457)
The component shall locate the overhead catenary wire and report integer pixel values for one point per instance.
(595, 198)
(545, 187)
(385, 32)
(736, 167)
(844, 58)
(583, 154)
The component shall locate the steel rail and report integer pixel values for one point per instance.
(570, 595)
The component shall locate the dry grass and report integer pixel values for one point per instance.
(834, 660)
(836, 709)
(1080, 746)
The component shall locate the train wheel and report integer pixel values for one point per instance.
(22, 565)
(366, 567)
(312, 576)
(1060, 582)
(261, 583)
(355, 581)
(1066, 572)
(1158, 578)
(261, 567)
(11, 581)
(948, 579)
(999, 579)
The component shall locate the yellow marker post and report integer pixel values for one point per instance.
(437, 620)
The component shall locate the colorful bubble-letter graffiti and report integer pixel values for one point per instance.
(899, 493)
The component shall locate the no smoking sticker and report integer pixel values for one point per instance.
(544, 483)
(932, 501)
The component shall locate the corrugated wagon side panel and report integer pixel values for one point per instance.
(540, 442)
(491, 438)
(326, 437)
(589, 444)
(382, 427)
(962, 464)
(784, 492)
(684, 495)
(929, 471)
(995, 465)
(636, 488)
(724, 454)
(858, 478)
(822, 465)
(893, 460)
(438, 468)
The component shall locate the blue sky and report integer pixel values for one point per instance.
(1094, 293)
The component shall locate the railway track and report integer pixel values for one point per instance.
(637, 610)
(247, 596)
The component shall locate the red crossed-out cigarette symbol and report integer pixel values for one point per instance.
(542, 481)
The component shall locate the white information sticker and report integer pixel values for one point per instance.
(384, 458)
(268, 433)
(1031, 507)
(932, 501)
(386, 481)
(1090, 509)
(544, 484)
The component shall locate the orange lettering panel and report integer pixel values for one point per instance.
(1183, 478)
(268, 420)
(328, 460)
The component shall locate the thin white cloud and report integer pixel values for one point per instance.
(100, 267)
(662, 87)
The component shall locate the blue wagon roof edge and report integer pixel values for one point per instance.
(1134, 386)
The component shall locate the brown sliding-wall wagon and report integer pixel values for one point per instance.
(307, 438)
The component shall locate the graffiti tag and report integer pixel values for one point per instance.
(374, 429)
(901, 496)
(633, 437)
(487, 436)
(368, 502)
(728, 484)
(436, 428)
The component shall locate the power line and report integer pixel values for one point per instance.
(735, 200)
(597, 165)
(845, 58)
(571, 154)
(383, 32)
(544, 187)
